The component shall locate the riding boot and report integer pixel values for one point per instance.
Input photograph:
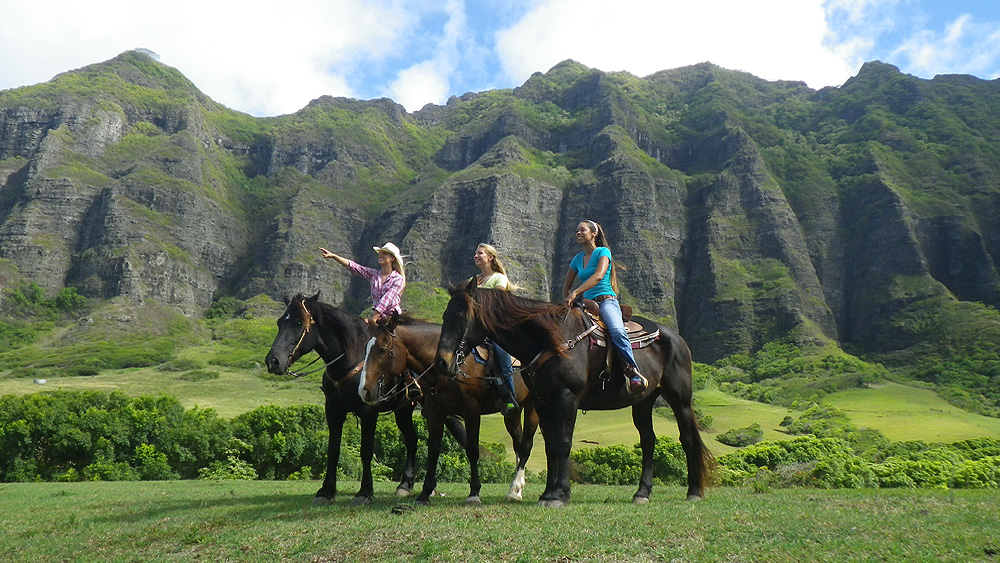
(507, 395)
(636, 381)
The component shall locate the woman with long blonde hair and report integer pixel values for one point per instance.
(493, 275)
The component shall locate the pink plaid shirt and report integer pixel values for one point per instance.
(385, 295)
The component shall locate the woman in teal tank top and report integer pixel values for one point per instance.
(595, 270)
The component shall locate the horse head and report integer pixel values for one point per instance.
(461, 330)
(297, 334)
(385, 360)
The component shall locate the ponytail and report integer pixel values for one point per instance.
(600, 239)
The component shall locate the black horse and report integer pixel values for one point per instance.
(565, 377)
(339, 338)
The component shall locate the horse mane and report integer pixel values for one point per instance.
(407, 319)
(501, 310)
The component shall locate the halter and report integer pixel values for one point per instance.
(408, 381)
(307, 322)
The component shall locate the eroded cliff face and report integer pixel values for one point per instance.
(738, 210)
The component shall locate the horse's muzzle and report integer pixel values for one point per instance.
(274, 366)
(445, 363)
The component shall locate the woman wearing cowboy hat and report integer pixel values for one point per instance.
(387, 282)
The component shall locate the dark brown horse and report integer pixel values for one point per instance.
(564, 378)
(339, 338)
(399, 356)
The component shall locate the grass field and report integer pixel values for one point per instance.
(908, 413)
(268, 521)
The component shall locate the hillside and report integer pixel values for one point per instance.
(741, 211)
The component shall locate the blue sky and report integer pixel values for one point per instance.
(269, 58)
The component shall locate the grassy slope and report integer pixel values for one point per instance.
(902, 412)
(267, 521)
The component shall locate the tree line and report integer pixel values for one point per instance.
(91, 435)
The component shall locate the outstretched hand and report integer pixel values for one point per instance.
(326, 253)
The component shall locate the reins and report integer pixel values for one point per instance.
(322, 367)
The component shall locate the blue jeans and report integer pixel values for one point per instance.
(611, 314)
(504, 361)
(507, 371)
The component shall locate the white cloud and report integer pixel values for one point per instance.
(773, 39)
(963, 46)
(258, 56)
(428, 81)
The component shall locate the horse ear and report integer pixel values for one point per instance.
(393, 321)
(470, 286)
(288, 300)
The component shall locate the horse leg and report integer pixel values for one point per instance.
(557, 429)
(457, 429)
(404, 420)
(335, 417)
(642, 417)
(523, 440)
(472, 422)
(367, 490)
(698, 456)
(435, 432)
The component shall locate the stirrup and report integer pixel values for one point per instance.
(637, 383)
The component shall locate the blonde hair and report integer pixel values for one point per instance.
(600, 239)
(496, 264)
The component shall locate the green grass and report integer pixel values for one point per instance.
(902, 412)
(232, 393)
(268, 521)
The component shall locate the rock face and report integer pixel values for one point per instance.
(739, 210)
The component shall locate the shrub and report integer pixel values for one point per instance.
(981, 473)
(610, 465)
(742, 437)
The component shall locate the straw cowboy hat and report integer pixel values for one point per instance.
(391, 249)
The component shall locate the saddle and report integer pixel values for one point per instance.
(641, 332)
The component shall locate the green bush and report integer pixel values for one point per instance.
(283, 440)
(982, 473)
(619, 465)
(742, 437)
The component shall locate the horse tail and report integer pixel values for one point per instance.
(678, 354)
(708, 467)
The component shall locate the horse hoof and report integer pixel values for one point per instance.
(361, 501)
(473, 501)
(402, 492)
(422, 502)
(514, 497)
(322, 501)
(552, 503)
(693, 498)
(640, 500)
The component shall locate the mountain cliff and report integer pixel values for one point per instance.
(739, 210)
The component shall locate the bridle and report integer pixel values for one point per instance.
(407, 384)
(307, 323)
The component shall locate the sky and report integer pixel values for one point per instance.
(269, 57)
